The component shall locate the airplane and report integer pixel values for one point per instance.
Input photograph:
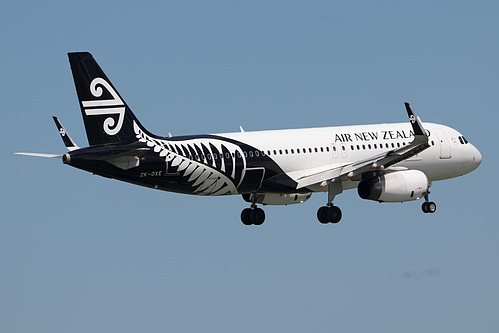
(385, 162)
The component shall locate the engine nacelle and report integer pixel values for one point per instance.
(278, 199)
(395, 186)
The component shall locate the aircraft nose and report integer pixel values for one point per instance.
(477, 157)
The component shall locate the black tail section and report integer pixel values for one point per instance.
(107, 118)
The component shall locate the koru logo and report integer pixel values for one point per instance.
(62, 132)
(114, 106)
(412, 118)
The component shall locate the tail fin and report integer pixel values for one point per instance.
(107, 118)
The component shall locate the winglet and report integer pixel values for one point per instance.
(70, 144)
(415, 121)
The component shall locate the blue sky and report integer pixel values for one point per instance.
(80, 253)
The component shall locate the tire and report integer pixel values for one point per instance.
(245, 216)
(257, 216)
(432, 207)
(334, 214)
(425, 207)
(321, 215)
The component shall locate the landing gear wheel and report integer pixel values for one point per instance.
(254, 216)
(321, 215)
(330, 214)
(429, 207)
(257, 216)
(333, 214)
(245, 216)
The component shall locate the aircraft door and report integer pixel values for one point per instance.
(335, 150)
(445, 150)
(343, 150)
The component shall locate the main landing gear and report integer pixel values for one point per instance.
(253, 215)
(330, 213)
(428, 206)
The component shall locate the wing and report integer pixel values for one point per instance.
(376, 162)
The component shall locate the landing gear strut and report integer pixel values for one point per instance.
(253, 215)
(428, 206)
(330, 213)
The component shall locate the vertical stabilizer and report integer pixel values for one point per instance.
(107, 118)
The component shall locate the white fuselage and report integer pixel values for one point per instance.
(295, 150)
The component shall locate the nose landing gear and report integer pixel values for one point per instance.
(428, 206)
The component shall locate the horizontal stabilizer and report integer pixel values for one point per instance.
(39, 155)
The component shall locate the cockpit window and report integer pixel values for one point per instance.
(463, 140)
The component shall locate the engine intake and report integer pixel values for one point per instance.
(398, 186)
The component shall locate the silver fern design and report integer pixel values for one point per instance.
(210, 166)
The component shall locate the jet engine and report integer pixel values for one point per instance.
(397, 186)
(277, 198)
